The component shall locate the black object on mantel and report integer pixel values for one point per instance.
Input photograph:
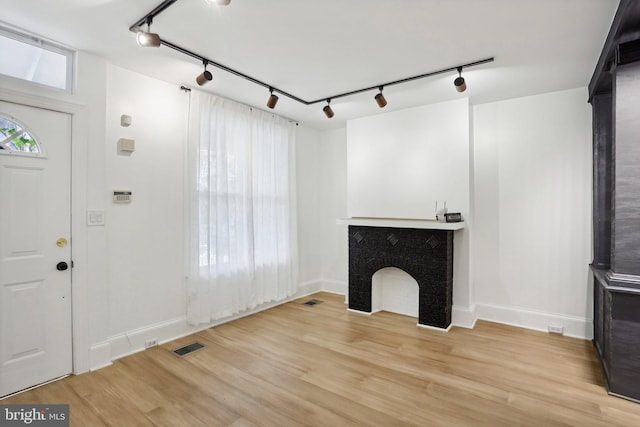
(614, 91)
(425, 254)
(453, 217)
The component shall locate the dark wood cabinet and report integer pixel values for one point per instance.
(614, 94)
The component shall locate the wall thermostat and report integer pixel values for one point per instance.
(122, 196)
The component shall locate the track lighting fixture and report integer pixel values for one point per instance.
(327, 109)
(459, 83)
(147, 38)
(205, 76)
(380, 98)
(273, 99)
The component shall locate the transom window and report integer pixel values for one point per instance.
(35, 60)
(14, 137)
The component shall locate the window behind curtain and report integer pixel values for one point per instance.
(243, 240)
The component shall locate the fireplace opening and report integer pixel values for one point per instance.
(394, 290)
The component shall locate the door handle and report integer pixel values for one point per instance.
(62, 266)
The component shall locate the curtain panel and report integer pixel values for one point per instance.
(242, 239)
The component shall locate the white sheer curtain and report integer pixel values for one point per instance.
(242, 208)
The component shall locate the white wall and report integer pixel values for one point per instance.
(532, 211)
(134, 278)
(333, 205)
(145, 246)
(309, 205)
(90, 290)
(400, 163)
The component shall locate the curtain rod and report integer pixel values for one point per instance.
(188, 89)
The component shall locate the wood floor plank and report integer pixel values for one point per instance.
(299, 365)
(261, 389)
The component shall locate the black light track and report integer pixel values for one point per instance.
(148, 19)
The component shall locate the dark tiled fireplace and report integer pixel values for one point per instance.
(425, 254)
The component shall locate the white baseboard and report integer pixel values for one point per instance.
(117, 346)
(364, 313)
(103, 354)
(308, 288)
(99, 356)
(575, 327)
(434, 328)
(335, 286)
(464, 317)
(134, 341)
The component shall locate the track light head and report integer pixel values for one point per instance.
(380, 99)
(220, 2)
(147, 38)
(204, 77)
(459, 82)
(327, 110)
(273, 99)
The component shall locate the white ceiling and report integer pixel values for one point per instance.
(315, 49)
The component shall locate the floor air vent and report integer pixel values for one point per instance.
(188, 349)
(312, 302)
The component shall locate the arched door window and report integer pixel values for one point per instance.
(15, 138)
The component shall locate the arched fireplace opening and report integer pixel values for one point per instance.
(394, 290)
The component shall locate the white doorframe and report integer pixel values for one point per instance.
(79, 171)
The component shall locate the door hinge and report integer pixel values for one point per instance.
(72, 265)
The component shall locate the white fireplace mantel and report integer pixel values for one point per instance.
(430, 224)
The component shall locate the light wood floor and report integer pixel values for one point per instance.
(323, 366)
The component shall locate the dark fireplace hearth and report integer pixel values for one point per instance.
(425, 254)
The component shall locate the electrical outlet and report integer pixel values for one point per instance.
(151, 343)
(556, 329)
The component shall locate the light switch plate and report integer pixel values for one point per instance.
(95, 217)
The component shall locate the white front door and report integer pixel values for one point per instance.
(35, 246)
